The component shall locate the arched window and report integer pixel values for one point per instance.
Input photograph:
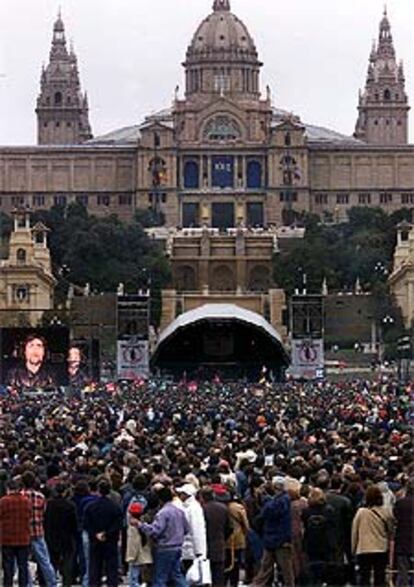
(191, 175)
(259, 279)
(21, 256)
(387, 95)
(58, 98)
(223, 279)
(185, 279)
(254, 174)
(221, 128)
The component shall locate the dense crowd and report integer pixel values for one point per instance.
(163, 483)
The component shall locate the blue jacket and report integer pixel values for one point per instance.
(276, 523)
(168, 528)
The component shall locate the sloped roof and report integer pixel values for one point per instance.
(129, 135)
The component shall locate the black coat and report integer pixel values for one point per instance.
(218, 528)
(103, 515)
(61, 524)
(404, 518)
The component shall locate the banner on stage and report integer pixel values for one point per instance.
(133, 359)
(307, 359)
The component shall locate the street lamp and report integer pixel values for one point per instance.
(386, 323)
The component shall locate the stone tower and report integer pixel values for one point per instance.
(383, 105)
(62, 109)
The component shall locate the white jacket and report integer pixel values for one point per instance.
(195, 543)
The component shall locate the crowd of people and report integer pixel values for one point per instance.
(163, 483)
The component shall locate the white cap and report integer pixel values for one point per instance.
(188, 489)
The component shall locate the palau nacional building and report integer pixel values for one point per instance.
(224, 166)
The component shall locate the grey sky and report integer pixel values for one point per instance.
(315, 55)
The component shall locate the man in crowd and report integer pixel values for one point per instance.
(15, 534)
(195, 544)
(404, 537)
(168, 530)
(61, 527)
(37, 534)
(218, 527)
(275, 520)
(103, 523)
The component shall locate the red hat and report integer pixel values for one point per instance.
(136, 509)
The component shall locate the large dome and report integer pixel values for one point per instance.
(222, 57)
(220, 33)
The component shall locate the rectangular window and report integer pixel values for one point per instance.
(191, 215)
(222, 215)
(321, 199)
(288, 196)
(103, 200)
(39, 201)
(342, 199)
(385, 198)
(407, 199)
(222, 171)
(125, 200)
(60, 200)
(364, 199)
(82, 199)
(254, 214)
(18, 201)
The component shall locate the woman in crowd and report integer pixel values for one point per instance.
(372, 535)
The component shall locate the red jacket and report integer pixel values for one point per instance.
(15, 513)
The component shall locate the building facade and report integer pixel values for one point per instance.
(26, 280)
(222, 156)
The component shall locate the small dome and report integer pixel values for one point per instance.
(222, 33)
(59, 27)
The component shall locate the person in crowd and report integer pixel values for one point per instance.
(342, 519)
(340, 437)
(298, 504)
(218, 529)
(37, 533)
(168, 531)
(15, 514)
(319, 539)
(103, 523)
(85, 492)
(195, 542)
(138, 554)
(404, 535)
(276, 529)
(61, 529)
(372, 535)
(236, 543)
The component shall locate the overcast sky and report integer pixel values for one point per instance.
(315, 55)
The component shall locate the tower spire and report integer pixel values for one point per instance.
(221, 5)
(62, 114)
(383, 105)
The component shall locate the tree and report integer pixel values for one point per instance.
(103, 252)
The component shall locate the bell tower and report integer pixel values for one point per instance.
(383, 105)
(62, 109)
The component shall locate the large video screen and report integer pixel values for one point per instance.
(34, 358)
